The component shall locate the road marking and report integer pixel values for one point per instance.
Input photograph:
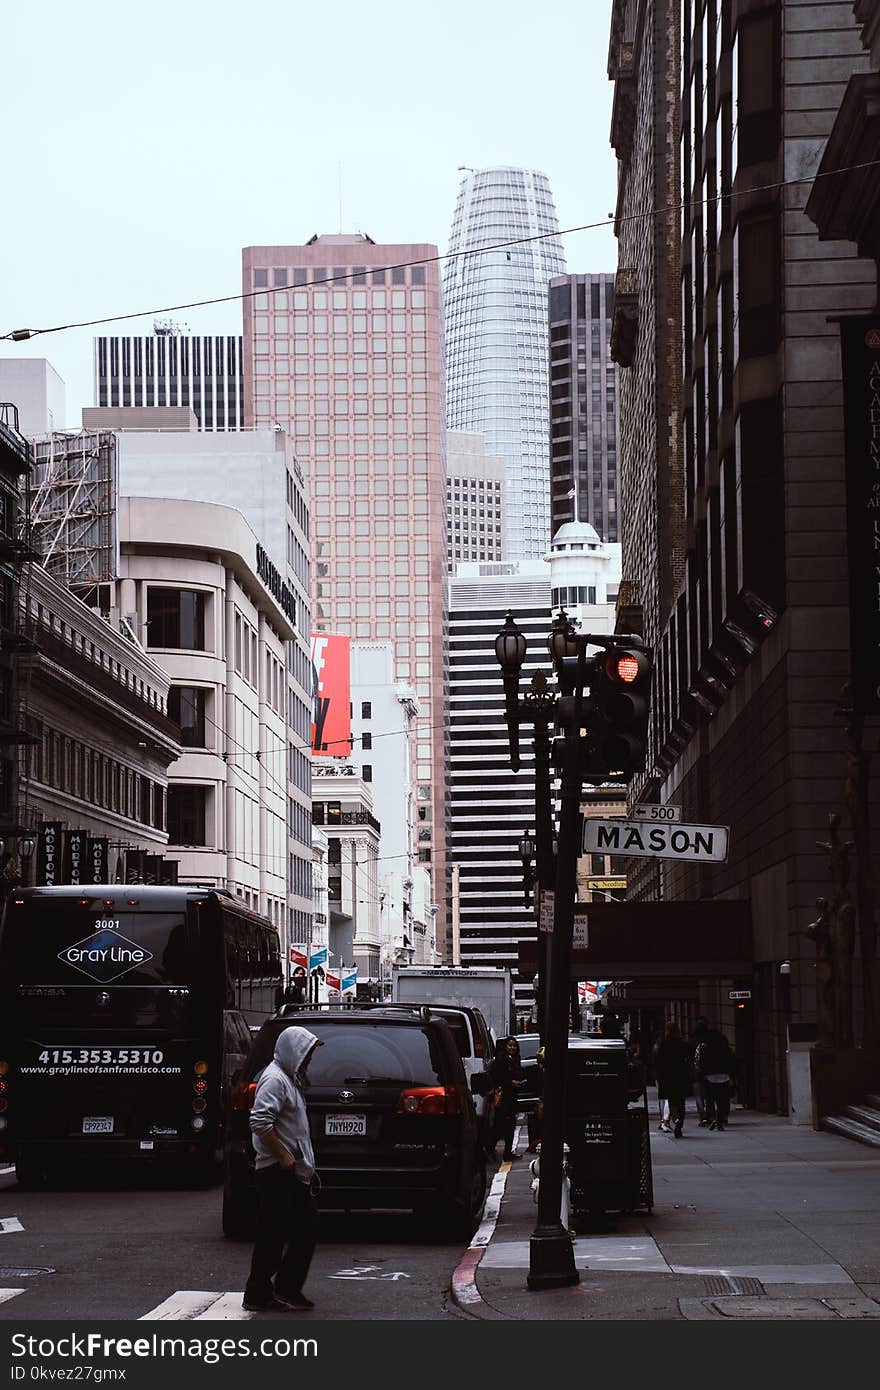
(368, 1272)
(6, 1294)
(187, 1305)
(776, 1274)
(639, 1253)
(10, 1223)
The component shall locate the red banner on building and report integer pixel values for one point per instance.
(331, 691)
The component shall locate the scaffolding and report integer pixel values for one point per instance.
(73, 509)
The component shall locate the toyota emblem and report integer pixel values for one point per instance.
(345, 1097)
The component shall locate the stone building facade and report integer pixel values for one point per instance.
(644, 64)
(756, 645)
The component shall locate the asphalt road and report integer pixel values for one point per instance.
(131, 1252)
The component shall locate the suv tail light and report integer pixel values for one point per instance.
(429, 1100)
(243, 1095)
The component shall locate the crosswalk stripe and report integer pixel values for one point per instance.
(6, 1294)
(188, 1305)
(228, 1308)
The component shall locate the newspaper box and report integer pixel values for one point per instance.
(606, 1128)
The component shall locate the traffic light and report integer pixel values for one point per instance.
(619, 708)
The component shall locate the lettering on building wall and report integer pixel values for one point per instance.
(281, 592)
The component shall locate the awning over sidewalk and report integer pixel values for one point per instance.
(639, 940)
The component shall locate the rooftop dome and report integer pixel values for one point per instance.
(576, 534)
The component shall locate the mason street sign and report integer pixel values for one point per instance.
(705, 843)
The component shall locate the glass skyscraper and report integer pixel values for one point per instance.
(496, 337)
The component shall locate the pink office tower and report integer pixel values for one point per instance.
(343, 348)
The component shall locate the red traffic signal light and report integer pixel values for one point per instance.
(620, 689)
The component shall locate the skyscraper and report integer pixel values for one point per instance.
(496, 336)
(474, 500)
(583, 404)
(170, 367)
(491, 806)
(343, 345)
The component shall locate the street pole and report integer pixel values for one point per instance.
(543, 855)
(551, 1253)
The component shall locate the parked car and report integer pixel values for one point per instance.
(392, 1118)
(530, 1091)
(473, 1036)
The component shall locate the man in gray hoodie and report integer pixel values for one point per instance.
(287, 1212)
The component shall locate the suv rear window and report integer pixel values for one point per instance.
(373, 1051)
(400, 1053)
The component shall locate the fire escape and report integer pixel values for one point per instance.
(16, 831)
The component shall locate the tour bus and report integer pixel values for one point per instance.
(125, 1011)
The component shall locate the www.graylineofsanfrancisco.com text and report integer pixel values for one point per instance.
(29, 1353)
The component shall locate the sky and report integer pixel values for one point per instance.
(145, 145)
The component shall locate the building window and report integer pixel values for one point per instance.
(334, 851)
(366, 709)
(366, 741)
(186, 706)
(367, 772)
(176, 618)
(186, 815)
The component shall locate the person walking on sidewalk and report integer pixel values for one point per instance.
(287, 1210)
(507, 1078)
(672, 1069)
(699, 1035)
(716, 1065)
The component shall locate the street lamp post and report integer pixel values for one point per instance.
(551, 1254)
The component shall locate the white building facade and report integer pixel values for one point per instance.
(496, 308)
(256, 472)
(384, 721)
(188, 586)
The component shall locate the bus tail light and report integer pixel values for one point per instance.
(243, 1096)
(200, 1087)
(201, 1068)
(4, 1068)
(197, 1122)
(200, 1104)
(4, 1104)
(429, 1100)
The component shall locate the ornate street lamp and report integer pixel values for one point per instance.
(510, 652)
(527, 853)
(551, 1253)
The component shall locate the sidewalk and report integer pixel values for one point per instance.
(766, 1220)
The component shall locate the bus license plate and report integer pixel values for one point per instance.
(346, 1125)
(98, 1124)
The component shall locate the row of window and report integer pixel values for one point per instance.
(316, 322)
(357, 275)
(67, 765)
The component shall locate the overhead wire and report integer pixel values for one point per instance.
(612, 220)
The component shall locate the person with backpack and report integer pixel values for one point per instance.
(716, 1067)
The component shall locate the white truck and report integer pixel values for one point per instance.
(486, 988)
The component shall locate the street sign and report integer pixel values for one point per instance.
(606, 883)
(657, 813)
(739, 994)
(705, 843)
(580, 935)
(546, 910)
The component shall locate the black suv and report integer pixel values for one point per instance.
(392, 1119)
